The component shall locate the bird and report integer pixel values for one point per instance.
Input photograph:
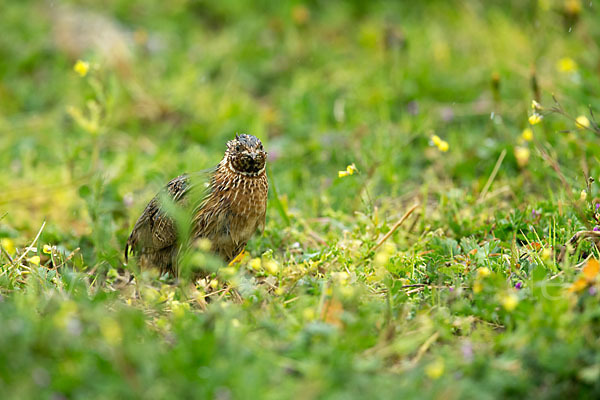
(228, 204)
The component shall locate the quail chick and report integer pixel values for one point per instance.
(228, 205)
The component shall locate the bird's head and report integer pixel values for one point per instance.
(246, 155)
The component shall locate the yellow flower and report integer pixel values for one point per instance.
(47, 249)
(582, 122)
(509, 301)
(527, 134)
(573, 7)
(522, 155)
(588, 276)
(483, 272)
(536, 106)
(535, 118)
(566, 64)
(8, 245)
(546, 253)
(350, 170)
(441, 144)
(255, 264)
(271, 267)
(34, 260)
(81, 67)
(340, 277)
(583, 195)
(477, 287)
(435, 369)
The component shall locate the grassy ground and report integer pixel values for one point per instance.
(479, 293)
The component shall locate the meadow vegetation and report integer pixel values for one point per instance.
(473, 120)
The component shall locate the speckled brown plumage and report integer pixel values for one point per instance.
(228, 208)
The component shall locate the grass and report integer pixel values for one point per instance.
(479, 293)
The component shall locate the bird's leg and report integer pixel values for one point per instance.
(237, 259)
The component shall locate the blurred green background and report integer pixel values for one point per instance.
(162, 85)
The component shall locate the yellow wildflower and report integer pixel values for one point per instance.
(271, 267)
(477, 287)
(573, 7)
(546, 253)
(582, 122)
(444, 146)
(47, 249)
(583, 195)
(509, 301)
(527, 134)
(34, 260)
(255, 264)
(591, 269)
(350, 170)
(340, 277)
(435, 369)
(536, 106)
(483, 272)
(522, 155)
(8, 245)
(81, 67)
(441, 144)
(535, 118)
(588, 275)
(566, 64)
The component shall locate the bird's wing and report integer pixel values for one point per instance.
(155, 229)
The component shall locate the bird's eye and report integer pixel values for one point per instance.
(260, 147)
(238, 148)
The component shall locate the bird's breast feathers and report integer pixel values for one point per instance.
(235, 208)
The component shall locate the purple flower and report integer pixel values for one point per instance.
(534, 213)
(592, 291)
(451, 289)
(597, 206)
(518, 285)
(596, 229)
(467, 351)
